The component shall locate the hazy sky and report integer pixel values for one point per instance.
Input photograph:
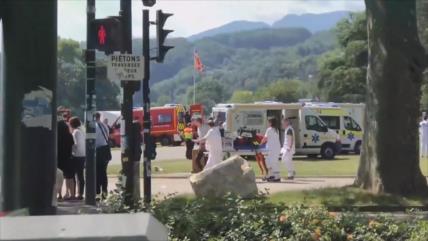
(194, 16)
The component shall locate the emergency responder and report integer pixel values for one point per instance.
(214, 145)
(423, 137)
(273, 147)
(199, 159)
(288, 149)
(188, 139)
(187, 117)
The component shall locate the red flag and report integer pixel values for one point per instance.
(197, 62)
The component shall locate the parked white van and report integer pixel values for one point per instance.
(342, 121)
(313, 138)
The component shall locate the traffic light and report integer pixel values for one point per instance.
(161, 34)
(107, 33)
(150, 149)
(149, 3)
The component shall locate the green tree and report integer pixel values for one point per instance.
(71, 76)
(72, 81)
(390, 157)
(209, 92)
(282, 91)
(342, 76)
(163, 99)
(422, 17)
(242, 96)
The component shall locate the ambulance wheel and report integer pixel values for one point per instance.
(165, 141)
(357, 148)
(328, 151)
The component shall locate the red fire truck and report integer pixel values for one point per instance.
(168, 123)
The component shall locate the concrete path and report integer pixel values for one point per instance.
(179, 186)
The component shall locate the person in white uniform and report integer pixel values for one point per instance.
(288, 149)
(213, 144)
(423, 137)
(273, 147)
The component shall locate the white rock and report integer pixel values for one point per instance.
(233, 175)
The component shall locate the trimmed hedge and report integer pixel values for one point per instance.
(235, 219)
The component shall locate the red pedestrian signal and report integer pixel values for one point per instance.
(107, 34)
(102, 35)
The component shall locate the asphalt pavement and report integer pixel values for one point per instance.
(164, 186)
(169, 153)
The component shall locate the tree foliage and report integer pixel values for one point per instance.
(242, 96)
(71, 89)
(342, 76)
(282, 91)
(209, 92)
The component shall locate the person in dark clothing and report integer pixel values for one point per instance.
(188, 138)
(138, 140)
(187, 117)
(103, 154)
(65, 145)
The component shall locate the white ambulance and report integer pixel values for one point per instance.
(313, 138)
(345, 119)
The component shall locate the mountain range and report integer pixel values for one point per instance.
(311, 21)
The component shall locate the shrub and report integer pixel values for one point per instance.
(235, 219)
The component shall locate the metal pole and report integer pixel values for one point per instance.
(90, 191)
(130, 167)
(146, 106)
(29, 110)
(194, 88)
(194, 78)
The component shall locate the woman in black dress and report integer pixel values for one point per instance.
(65, 144)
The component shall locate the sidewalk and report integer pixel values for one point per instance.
(180, 186)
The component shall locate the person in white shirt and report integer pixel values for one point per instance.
(213, 144)
(423, 137)
(273, 147)
(79, 154)
(202, 130)
(288, 149)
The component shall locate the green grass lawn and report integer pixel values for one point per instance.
(345, 165)
(343, 197)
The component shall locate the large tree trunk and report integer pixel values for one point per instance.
(390, 156)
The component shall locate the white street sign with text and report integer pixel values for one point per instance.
(125, 67)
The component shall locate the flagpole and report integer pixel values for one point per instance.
(194, 79)
(194, 87)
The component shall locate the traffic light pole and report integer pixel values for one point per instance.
(90, 191)
(130, 167)
(146, 107)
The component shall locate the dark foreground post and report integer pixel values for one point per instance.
(146, 107)
(130, 167)
(28, 105)
(90, 107)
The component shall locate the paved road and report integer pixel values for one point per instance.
(164, 186)
(163, 154)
